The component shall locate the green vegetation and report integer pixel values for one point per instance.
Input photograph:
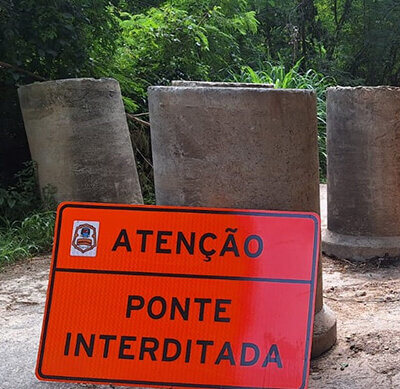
(31, 236)
(26, 222)
(308, 44)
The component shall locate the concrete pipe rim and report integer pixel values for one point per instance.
(63, 81)
(376, 88)
(217, 84)
(200, 89)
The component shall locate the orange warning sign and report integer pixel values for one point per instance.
(181, 297)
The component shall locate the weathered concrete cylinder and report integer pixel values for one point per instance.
(241, 148)
(363, 140)
(79, 138)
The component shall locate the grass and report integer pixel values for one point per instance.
(26, 238)
(26, 221)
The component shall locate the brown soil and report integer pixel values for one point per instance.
(366, 299)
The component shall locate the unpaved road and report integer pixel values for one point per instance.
(366, 299)
(22, 298)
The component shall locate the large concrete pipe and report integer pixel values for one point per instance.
(79, 138)
(363, 140)
(241, 148)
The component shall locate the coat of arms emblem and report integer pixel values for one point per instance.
(84, 238)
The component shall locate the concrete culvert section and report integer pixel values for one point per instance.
(363, 140)
(240, 147)
(79, 138)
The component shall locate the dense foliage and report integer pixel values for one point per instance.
(293, 43)
(148, 42)
(56, 38)
(143, 43)
(26, 221)
(180, 39)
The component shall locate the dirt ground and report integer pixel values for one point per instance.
(365, 297)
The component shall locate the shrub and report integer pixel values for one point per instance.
(26, 221)
(180, 39)
(31, 236)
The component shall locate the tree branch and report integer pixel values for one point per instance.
(135, 118)
(20, 70)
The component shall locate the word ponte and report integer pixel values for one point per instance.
(184, 297)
